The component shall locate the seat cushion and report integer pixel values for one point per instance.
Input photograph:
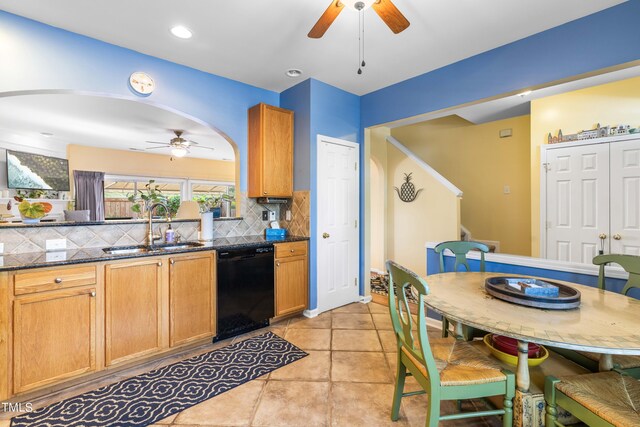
(459, 363)
(611, 396)
(620, 360)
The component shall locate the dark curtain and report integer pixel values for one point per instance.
(89, 188)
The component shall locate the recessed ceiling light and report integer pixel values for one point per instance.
(46, 134)
(181, 32)
(525, 93)
(294, 72)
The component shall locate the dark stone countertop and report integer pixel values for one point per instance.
(28, 260)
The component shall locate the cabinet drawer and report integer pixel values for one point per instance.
(47, 280)
(284, 250)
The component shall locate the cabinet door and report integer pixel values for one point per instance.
(191, 298)
(132, 310)
(54, 337)
(270, 151)
(291, 285)
(278, 152)
(577, 201)
(625, 197)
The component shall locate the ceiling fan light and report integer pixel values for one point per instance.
(179, 151)
(351, 4)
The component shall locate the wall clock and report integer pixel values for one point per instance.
(141, 83)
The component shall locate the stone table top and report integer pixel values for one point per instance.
(605, 322)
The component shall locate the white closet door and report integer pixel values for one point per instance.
(625, 197)
(577, 201)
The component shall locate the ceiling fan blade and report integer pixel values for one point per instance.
(192, 142)
(326, 19)
(156, 142)
(206, 148)
(155, 148)
(391, 16)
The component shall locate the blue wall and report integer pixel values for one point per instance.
(604, 39)
(320, 109)
(38, 57)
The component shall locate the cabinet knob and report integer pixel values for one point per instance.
(277, 263)
(264, 192)
(159, 263)
(57, 280)
(293, 250)
(172, 261)
(617, 237)
(93, 294)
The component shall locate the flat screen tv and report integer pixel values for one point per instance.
(36, 172)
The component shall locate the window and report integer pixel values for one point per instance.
(117, 190)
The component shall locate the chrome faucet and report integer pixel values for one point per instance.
(151, 238)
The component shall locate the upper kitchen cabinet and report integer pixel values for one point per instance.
(270, 151)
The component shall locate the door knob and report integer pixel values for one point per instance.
(617, 237)
(325, 235)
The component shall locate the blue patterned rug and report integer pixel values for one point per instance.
(147, 398)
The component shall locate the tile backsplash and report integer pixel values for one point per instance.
(33, 239)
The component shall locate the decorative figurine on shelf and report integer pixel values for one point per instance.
(407, 192)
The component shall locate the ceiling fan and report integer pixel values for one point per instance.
(385, 9)
(179, 146)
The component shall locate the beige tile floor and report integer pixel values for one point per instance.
(347, 380)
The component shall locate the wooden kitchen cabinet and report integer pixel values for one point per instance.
(270, 151)
(133, 309)
(54, 336)
(292, 281)
(192, 310)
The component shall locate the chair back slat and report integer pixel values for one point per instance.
(400, 282)
(630, 263)
(460, 248)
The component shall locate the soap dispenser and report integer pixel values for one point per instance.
(169, 235)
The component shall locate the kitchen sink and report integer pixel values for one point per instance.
(127, 250)
(142, 249)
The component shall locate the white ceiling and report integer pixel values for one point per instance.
(100, 122)
(256, 41)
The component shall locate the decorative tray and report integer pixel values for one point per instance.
(533, 292)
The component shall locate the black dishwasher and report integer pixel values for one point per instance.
(245, 290)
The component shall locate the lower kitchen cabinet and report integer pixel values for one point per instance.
(292, 281)
(54, 337)
(191, 298)
(133, 308)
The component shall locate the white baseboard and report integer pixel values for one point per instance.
(365, 299)
(311, 313)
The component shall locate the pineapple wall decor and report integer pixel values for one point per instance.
(407, 191)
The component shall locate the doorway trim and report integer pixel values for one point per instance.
(320, 139)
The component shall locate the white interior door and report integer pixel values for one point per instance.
(338, 213)
(625, 197)
(577, 201)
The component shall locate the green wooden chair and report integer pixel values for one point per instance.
(630, 364)
(445, 368)
(460, 249)
(603, 399)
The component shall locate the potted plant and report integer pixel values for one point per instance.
(211, 203)
(142, 199)
(32, 212)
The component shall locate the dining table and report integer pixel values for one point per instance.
(605, 322)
